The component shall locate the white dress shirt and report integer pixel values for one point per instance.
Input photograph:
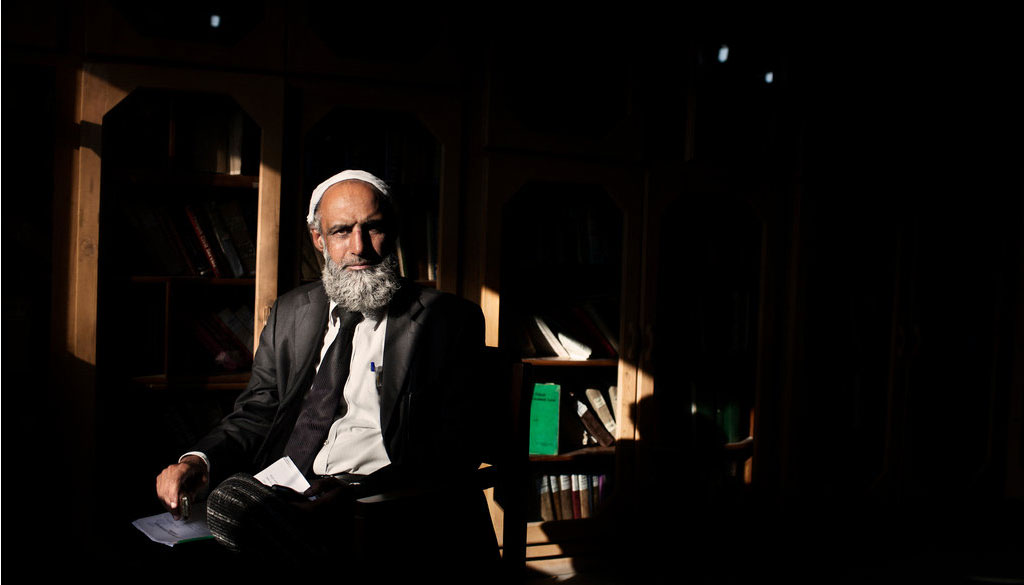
(355, 442)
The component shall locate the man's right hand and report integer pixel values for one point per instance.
(181, 479)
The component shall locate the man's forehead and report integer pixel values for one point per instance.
(350, 195)
(350, 202)
(350, 188)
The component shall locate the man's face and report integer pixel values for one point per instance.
(353, 227)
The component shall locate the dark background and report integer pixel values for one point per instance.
(891, 143)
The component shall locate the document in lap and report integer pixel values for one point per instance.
(163, 528)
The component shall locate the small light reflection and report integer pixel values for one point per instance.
(769, 77)
(214, 20)
(723, 53)
(693, 408)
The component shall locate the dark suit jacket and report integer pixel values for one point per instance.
(431, 413)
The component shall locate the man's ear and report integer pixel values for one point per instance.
(318, 242)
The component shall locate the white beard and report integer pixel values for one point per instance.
(368, 290)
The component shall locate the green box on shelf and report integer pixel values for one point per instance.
(544, 419)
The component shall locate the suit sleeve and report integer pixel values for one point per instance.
(232, 445)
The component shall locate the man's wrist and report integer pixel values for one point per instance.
(196, 455)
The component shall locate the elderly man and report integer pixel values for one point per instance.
(364, 380)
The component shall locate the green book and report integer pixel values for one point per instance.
(544, 419)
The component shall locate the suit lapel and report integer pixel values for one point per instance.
(399, 343)
(310, 323)
(302, 342)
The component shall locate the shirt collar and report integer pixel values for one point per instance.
(335, 316)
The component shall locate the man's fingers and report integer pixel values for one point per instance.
(167, 489)
(171, 485)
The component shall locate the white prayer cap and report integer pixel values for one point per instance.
(363, 176)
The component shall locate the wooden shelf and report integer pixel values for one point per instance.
(578, 455)
(233, 381)
(201, 179)
(560, 361)
(205, 280)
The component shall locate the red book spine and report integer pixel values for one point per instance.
(203, 241)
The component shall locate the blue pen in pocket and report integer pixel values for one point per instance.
(378, 375)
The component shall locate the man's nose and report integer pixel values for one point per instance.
(357, 240)
(361, 242)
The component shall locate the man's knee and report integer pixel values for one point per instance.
(238, 511)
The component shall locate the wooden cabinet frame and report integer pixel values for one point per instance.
(100, 88)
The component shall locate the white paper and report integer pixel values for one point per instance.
(283, 472)
(163, 528)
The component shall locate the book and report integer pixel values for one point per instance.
(544, 339)
(601, 487)
(221, 355)
(171, 229)
(593, 424)
(181, 228)
(234, 146)
(601, 409)
(231, 211)
(544, 413)
(577, 349)
(591, 309)
(547, 506)
(613, 401)
(223, 239)
(577, 505)
(223, 349)
(586, 499)
(238, 329)
(568, 336)
(204, 240)
(555, 489)
(565, 495)
(247, 320)
(586, 326)
(159, 253)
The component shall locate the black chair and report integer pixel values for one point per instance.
(430, 541)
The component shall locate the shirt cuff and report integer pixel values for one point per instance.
(200, 455)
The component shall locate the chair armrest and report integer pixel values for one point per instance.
(393, 501)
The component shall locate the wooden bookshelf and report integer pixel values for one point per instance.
(556, 244)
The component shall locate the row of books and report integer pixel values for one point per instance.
(576, 332)
(570, 496)
(203, 238)
(225, 338)
(595, 409)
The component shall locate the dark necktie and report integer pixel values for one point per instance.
(323, 403)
